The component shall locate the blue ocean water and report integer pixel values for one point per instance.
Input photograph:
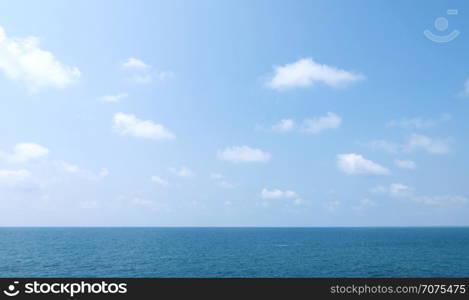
(234, 252)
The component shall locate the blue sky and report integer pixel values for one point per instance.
(233, 113)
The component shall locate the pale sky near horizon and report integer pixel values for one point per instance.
(234, 113)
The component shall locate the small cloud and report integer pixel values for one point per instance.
(142, 73)
(284, 125)
(82, 173)
(222, 182)
(25, 153)
(23, 59)
(401, 191)
(332, 206)
(243, 154)
(431, 145)
(127, 124)
(355, 164)
(317, 125)
(142, 202)
(166, 75)
(384, 145)
(415, 142)
(305, 72)
(182, 172)
(419, 123)
(405, 164)
(158, 180)
(465, 91)
(113, 98)
(277, 194)
(363, 204)
(141, 78)
(135, 63)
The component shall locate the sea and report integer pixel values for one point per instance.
(234, 252)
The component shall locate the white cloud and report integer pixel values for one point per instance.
(465, 92)
(284, 125)
(356, 164)
(431, 145)
(394, 190)
(22, 59)
(418, 123)
(384, 145)
(301, 202)
(239, 154)
(142, 202)
(405, 164)
(415, 142)
(113, 98)
(405, 192)
(141, 72)
(216, 176)
(306, 72)
(277, 194)
(166, 75)
(135, 63)
(363, 204)
(332, 205)
(141, 78)
(14, 177)
(182, 172)
(222, 182)
(317, 125)
(127, 124)
(159, 180)
(82, 173)
(25, 153)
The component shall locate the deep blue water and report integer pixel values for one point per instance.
(234, 252)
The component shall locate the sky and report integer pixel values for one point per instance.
(234, 113)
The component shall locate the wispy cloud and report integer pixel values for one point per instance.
(364, 204)
(284, 125)
(182, 172)
(317, 125)
(243, 154)
(13, 178)
(419, 123)
(24, 153)
(277, 194)
(143, 73)
(128, 124)
(75, 170)
(402, 191)
(305, 72)
(222, 181)
(113, 98)
(405, 164)
(414, 143)
(465, 91)
(160, 181)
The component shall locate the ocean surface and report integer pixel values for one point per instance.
(234, 252)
